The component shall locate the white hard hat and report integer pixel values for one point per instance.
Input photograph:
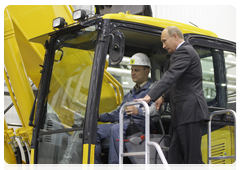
(140, 59)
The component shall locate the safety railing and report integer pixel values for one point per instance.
(116, 85)
(209, 136)
(148, 143)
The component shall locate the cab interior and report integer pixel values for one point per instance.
(149, 44)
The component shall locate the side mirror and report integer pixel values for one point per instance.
(116, 48)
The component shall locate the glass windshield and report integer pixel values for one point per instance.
(61, 137)
(71, 75)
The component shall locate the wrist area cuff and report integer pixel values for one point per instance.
(164, 97)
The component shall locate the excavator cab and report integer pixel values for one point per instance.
(75, 88)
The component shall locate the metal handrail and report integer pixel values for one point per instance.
(116, 85)
(209, 157)
(147, 136)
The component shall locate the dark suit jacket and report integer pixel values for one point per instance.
(182, 86)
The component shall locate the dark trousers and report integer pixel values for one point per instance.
(185, 146)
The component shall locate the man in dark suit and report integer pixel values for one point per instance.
(181, 85)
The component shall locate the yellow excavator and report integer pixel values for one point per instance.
(63, 53)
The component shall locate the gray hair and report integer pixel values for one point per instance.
(173, 29)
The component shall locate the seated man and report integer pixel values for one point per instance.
(140, 68)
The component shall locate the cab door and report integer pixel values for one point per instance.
(218, 58)
(69, 97)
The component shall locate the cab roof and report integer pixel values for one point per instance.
(158, 22)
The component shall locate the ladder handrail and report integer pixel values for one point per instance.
(220, 112)
(147, 135)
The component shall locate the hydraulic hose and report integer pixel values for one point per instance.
(24, 146)
(32, 111)
(18, 156)
(26, 154)
(16, 151)
(15, 147)
(27, 146)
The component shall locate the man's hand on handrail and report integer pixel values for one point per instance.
(147, 99)
(159, 102)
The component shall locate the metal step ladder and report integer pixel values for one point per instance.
(209, 158)
(148, 143)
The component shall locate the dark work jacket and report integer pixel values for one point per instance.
(182, 86)
(129, 97)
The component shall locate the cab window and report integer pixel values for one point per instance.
(219, 76)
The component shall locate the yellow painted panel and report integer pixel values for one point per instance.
(108, 100)
(221, 145)
(85, 154)
(35, 20)
(233, 142)
(8, 154)
(18, 79)
(32, 156)
(29, 21)
(157, 22)
(85, 157)
(92, 154)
